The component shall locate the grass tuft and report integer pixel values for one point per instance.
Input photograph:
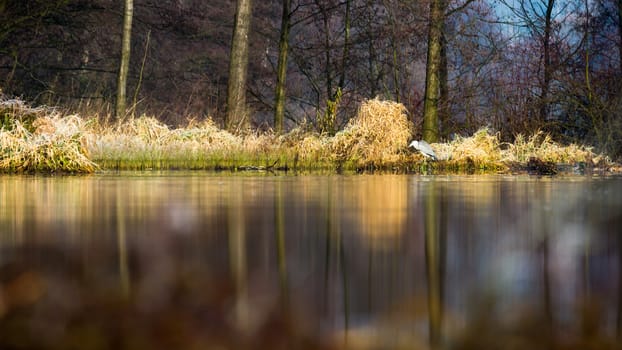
(375, 136)
(56, 145)
(541, 146)
(480, 151)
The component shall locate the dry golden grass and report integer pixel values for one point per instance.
(12, 110)
(146, 142)
(310, 147)
(41, 151)
(375, 136)
(541, 146)
(482, 148)
(43, 140)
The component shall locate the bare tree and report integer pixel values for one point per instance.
(619, 7)
(545, 22)
(394, 52)
(279, 99)
(443, 86)
(433, 68)
(236, 118)
(124, 65)
(547, 62)
(436, 84)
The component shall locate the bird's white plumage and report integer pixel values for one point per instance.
(424, 148)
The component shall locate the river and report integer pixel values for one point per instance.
(257, 260)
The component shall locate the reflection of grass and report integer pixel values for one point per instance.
(382, 200)
(375, 139)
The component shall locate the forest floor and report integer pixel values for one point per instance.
(43, 140)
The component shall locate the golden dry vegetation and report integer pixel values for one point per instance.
(41, 140)
(44, 140)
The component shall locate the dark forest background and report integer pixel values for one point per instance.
(516, 66)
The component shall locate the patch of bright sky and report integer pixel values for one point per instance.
(514, 15)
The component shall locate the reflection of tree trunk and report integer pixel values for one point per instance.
(280, 243)
(587, 288)
(343, 267)
(344, 281)
(542, 229)
(124, 271)
(589, 321)
(237, 254)
(619, 316)
(370, 282)
(433, 266)
(442, 239)
(546, 289)
(333, 234)
(328, 247)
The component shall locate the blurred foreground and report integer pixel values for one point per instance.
(205, 261)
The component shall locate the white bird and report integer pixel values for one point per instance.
(424, 148)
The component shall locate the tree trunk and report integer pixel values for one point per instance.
(236, 119)
(548, 66)
(394, 51)
(443, 75)
(620, 35)
(279, 99)
(121, 108)
(396, 68)
(372, 57)
(326, 124)
(327, 49)
(346, 47)
(327, 121)
(432, 80)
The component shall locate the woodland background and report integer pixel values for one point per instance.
(516, 66)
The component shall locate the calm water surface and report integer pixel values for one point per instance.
(189, 260)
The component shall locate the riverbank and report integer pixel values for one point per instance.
(43, 140)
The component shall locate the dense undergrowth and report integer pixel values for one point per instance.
(45, 140)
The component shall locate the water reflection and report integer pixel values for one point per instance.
(433, 261)
(310, 261)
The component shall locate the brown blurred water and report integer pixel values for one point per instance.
(195, 260)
